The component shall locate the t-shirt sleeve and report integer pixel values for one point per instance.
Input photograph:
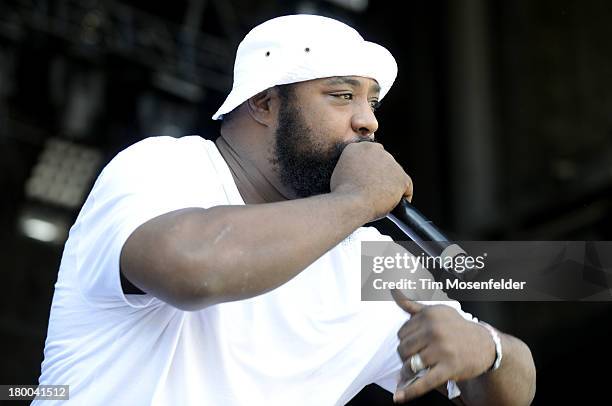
(151, 178)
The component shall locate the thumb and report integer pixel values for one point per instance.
(406, 304)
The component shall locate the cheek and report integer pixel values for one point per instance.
(334, 126)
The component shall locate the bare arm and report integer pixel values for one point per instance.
(192, 258)
(196, 257)
(512, 384)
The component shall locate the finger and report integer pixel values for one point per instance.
(409, 190)
(434, 378)
(412, 344)
(411, 326)
(406, 373)
(430, 356)
(408, 377)
(427, 356)
(406, 304)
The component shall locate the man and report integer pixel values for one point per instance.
(172, 290)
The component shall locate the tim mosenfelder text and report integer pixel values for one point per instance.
(428, 284)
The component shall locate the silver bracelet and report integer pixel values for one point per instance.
(498, 345)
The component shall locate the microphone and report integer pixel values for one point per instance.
(427, 236)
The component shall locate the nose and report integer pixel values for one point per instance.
(364, 121)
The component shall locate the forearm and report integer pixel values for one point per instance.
(512, 384)
(259, 247)
(194, 257)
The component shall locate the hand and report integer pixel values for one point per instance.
(451, 346)
(366, 169)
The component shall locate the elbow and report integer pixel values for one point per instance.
(175, 275)
(175, 258)
(190, 297)
(201, 264)
(194, 286)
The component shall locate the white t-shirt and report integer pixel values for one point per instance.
(311, 341)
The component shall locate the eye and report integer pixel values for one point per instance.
(374, 105)
(344, 96)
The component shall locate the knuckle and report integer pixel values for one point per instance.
(435, 330)
(436, 333)
(402, 329)
(428, 313)
(438, 312)
(401, 350)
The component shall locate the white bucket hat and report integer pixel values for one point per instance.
(296, 48)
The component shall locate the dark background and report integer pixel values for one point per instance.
(501, 113)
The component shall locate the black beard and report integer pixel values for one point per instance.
(305, 166)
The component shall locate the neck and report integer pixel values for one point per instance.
(252, 170)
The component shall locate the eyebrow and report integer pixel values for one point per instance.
(343, 80)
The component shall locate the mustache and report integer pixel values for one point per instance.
(365, 139)
(359, 139)
(336, 151)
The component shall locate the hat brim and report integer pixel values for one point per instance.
(366, 59)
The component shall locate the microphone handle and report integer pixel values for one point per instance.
(425, 234)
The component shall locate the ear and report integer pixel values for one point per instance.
(260, 107)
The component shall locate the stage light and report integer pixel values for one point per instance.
(43, 229)
(57, 187)
(311, 7)
(63, 174)
(358, 6)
